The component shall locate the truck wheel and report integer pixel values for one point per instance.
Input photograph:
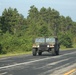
(57, 52)
(39, 53)
(53, 52)
(34, 52)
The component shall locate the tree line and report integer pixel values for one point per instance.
(17, 32)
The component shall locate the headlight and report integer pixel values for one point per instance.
(38, 46)
(51, 45)
(34, 46)
(47, 45)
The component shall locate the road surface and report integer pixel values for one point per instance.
(63, 64)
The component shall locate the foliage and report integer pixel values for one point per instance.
(11, 20)
(66, 41)
(17, 32)
(12, 43)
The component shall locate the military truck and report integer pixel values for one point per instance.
(41, 44)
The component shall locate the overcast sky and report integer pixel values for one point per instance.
(64, 7)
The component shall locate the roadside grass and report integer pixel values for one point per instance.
(64, 48)
(15, 54)
(74, 45)
(67, 49)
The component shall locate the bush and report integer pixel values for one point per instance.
(66, 41)
(13, 43)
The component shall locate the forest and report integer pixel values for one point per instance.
(17, 32)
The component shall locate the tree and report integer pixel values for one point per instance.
(33, 14)
(66, 41)
(17, 32)
(43, 31)
(11, 20)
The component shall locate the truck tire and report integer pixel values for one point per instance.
(57, 52)
(53, 52)
(34, 52)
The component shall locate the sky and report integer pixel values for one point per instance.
(64, 7)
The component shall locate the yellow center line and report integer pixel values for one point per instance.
(71, 71)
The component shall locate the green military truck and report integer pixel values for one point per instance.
(42, 44)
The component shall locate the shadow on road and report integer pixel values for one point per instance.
(48, 54)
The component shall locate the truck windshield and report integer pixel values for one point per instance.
(50, 40)
(40, 40)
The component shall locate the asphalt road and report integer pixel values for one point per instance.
(63, 64)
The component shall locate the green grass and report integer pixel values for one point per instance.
(67, 48)
(14, 54)
(64, 48)
(74, 45)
